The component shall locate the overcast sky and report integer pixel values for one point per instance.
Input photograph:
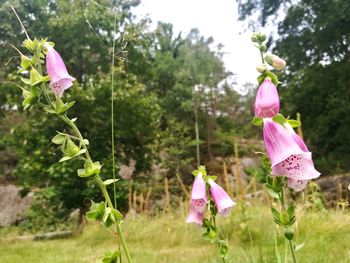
(218, 19)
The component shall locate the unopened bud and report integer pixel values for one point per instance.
(284, 217)
(275, 61)
(254, 38)
(263, 47)
(289, 233)
(261, 68)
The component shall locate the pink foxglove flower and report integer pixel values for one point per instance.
(194, 216)
(288, 154)
(267, 102)
(199, 194)
(60, 80)
(222, 200)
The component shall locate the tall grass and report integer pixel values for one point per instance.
(168, 239)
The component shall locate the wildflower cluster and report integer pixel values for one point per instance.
(216, 202)
(287, 155)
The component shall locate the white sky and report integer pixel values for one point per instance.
(218, 19)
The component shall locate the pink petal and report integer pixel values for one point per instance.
(60, 80)
(222, 200)
(199, 194)
(267, 103)
(195, 217)
(279, 143)
(296, 167)
(297, 185)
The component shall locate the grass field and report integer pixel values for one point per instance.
(167, 238)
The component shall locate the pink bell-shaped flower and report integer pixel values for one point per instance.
(267, 102)
(194, 216)
(222, 200)
(288, 154)
(60, 80)
(199, 194)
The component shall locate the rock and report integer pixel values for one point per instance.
(13, 207)
(335, 188)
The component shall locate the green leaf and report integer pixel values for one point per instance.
(299, 246)
(256, 121)
(271, 192)
(294, 123)
(279, 118)
(110, 181)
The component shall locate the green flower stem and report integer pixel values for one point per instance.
(292, 249)
(117, 225)
(262, 57)
(282, 199)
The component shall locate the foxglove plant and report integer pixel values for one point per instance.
(208, 195)
(73, 145)
(288, 157)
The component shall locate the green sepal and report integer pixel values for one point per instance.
(291, 211)
(90, 169)
(256, 121)
(97, 211)
(29, 96)
(110, 181)
(284, 217)
(59, 139)
(115, 215)
(294, 123)
(69, 148)
(271, 191)
(63, 107)
(111, 257)
(66, 158)
(36, 78)
(279, 118)
(201, 169)
(26, 62)
(275, 212)
(49, 109)
(212, 177)
(268, 74)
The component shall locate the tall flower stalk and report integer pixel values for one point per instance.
(287, 156)
(73, 145)
(206, 195)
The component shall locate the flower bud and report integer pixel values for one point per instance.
(289, 233)
(263, 47)
(258, 37)
(261, 68)
(275, 61)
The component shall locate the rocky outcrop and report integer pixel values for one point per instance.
(13, 207)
